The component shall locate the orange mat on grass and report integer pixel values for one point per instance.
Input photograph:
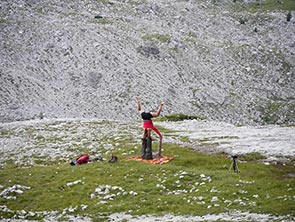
(159, 160)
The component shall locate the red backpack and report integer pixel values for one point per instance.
(83, 159)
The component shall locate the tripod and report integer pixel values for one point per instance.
(234, 164)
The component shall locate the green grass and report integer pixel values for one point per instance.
(179, 117)
(252, 156)
(158, 37)
(271, 109)
(264, 5)
(105, 2)
(5, 133)
(185, 186)
(270, 5)
(102, 21)
(3, 20)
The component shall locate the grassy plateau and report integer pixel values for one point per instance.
(192, 183)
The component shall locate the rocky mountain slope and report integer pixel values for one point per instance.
(87, 58)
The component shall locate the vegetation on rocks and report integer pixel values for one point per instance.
(180, 117)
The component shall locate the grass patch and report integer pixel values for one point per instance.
(270, 5)
(137, 3)
(179, 117)
(254, 156)
(271, 111)
(105, 2)
(192, 184)
(102, 21)
(215, 140)
(5, 133)
(264, 5)
(2, 20)
(158, 37)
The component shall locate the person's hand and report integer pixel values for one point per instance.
(162, 103)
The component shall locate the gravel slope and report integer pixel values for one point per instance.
(89, 59)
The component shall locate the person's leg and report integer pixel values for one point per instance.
(159, 152)
(149, 133)
(144, 143)
(149, 149)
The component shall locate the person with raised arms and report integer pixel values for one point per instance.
(146, 151)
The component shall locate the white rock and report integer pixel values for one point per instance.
(214, 199)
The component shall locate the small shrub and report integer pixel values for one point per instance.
(289, 16)
(242, 21)
(2, 20)
(41, 115)
(98, 17)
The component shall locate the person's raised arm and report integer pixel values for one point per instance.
(156, 114)
(138, 104)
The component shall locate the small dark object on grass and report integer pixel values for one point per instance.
(73, 163)
(99, 158)
(113, 159)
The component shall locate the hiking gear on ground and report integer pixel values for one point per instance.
(83, 159)
(113, 159)
(99, 158)
(73, 163)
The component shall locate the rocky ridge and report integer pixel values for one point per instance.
(91, 58)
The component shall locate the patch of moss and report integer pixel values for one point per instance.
(270, 5)
(5, 133)
(184, 139)
(136, 3)
(277, 111)
(180, 117)
(2, 20)
(158, 37)
(270, 113)
(265, 5)
(105, 2)
(254, 156)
